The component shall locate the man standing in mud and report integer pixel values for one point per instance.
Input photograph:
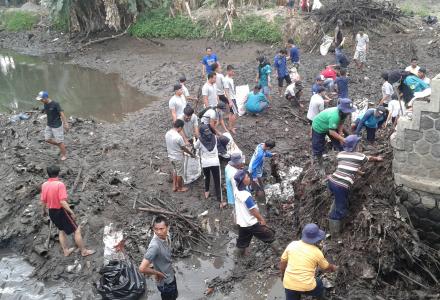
(209, 91)
(256, 167)
(207, 61)
(177, 103)
(280, 64)
(175, 148)
(56, 123)
(159, 255)
(339, 37)
(54, 199)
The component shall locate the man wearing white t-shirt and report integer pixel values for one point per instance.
(413, 68)
(395, 110)
(387, 90)
(182, 81)
(229, 88)
(360, 55)
(177, 103)
(316, 104)
(209, 91)
(251, 223)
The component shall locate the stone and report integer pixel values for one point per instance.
(407, 205)
(408, 145)
(437, 125)
(433, 237)
(421, 211)
(435, 150)
(432, 136)
(429, 202)
(434, 214)
(413, 135)
(420, 172)
(435, 174)
(433, 115)
(413, 159)
(426, 122)
(414, 198)
(400, 156)
(426, 224)
(422, 147)
(429, 162)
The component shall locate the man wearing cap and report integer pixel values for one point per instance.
(299, 262)
(177, 103)
(214, 116)
(372, 119)
(209, 91)
(182, 81)
(250, 221)
(339, 183)
(316, 104)
(56, 123)
(235, 163)
(330, 122)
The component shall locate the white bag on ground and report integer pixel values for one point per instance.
(232, 146)
(111, 239)
(242, 91)
(316, 4)
(192, 168)
(326, 43)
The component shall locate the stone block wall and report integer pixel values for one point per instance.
(416, 164)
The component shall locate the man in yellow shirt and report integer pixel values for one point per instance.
(299, 262)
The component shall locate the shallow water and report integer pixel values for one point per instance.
(81, 91)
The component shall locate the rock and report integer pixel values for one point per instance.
(413, 135)
(426, 122)
(428, 202)
(432, 136)
(435, 150)
(422, 147)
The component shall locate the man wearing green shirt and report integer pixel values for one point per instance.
(330, 122)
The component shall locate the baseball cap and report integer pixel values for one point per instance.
(320, 77)
(351, 142)
(235, 159)
(346, 105)
(177, 87)
(239, 177)
(42, 95)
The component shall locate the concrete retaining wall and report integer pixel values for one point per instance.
(416, 164)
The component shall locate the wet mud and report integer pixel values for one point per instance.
(126, 161)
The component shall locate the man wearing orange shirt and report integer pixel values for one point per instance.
(54, 200)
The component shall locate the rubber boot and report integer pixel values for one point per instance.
(335, 227)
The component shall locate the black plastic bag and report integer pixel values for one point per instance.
(121, 280)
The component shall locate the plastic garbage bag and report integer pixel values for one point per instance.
(121, 280)
(326, 43)
(242, 91)
(192, 168)
(316, 5)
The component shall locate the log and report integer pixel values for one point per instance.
(102, 40)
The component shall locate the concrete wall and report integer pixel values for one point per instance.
(416, 164)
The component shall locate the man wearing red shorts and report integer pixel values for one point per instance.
(54, 199)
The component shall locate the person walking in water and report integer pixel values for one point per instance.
(56, 123)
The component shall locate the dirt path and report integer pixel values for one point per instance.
(135, 147)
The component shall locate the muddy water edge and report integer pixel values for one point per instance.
(135, 148)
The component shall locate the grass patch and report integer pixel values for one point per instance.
(255, 28)
(157, 24)
(18, 20)
(415, 10)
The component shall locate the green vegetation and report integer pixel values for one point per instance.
(415, 10)
(17, 20)
(255, 28)
(157, 24)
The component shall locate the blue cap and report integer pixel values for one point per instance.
(351, 142)
(346, 105)
(311, 234)
(42, 95)
(239, 177)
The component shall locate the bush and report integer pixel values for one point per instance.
(255, 28)
(158, 24)
(18, 21)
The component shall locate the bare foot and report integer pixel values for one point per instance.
(206, 195)
(63, 158)
(233, 130)
(68, 251)
(87, 252)
(223, 205)
(175, 190)
(182, 190)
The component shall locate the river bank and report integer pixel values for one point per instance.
(134, 149)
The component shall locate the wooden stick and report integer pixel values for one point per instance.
(165, 212)
(409, 278)
(85, 183)
(76, 182)
(102, 40)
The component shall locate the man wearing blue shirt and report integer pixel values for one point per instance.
(207, 62)
(341, 84)
(256, 102)
(372, 119)
(294, 53)
(280, 64)
(256, 166)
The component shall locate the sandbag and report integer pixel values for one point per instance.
(325, 46)
(121, 280)
(192, 168)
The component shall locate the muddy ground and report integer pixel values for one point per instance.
(134, 149)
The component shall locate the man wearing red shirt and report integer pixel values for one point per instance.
(330, 73)
(54, 199)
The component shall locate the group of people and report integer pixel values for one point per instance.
(206, 132)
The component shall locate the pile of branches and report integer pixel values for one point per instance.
(358, 14)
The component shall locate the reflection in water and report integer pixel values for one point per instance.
(80, 91)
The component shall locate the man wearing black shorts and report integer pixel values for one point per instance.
(280, 64)
(54, 199)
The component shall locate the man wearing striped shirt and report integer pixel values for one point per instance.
(339, 183)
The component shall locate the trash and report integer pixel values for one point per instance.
(283, 190)
(121, 280)
(111, 239)
(232, 147)
(242, 92)
(316, 5)
(325, 45)
(430, 20)
(192, 168)
(18, 117)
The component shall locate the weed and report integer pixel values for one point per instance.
(255, 28)
(18, 21)
(415, 10)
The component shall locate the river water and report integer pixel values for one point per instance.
(82, 92)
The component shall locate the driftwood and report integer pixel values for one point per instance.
(102, 40)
